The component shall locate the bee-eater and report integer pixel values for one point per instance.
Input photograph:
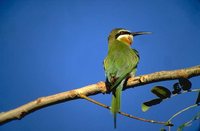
(120, 64)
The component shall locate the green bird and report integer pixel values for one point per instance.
(120, 64)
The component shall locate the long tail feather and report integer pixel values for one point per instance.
(116, 102)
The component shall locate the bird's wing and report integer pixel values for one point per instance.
(118, 65)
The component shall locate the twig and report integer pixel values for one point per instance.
(122, 113)
(169, 128)
(183, 92)
(94, 89)
(181, 111)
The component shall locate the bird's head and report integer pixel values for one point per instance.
(124, 35)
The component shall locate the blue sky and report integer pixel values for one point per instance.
(50, 46)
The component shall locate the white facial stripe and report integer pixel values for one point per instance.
(124, 30)
(125, 35)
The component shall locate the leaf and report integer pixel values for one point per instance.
(161, 92)
(177, 88)
(145, 107)
(198, 98)
(185, 84)
(148, 104)
(189, 123)
(197, 116)
(163, 129)
(180, 128)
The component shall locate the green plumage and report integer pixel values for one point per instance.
(120, 63)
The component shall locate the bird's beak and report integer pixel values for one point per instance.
(140, 33)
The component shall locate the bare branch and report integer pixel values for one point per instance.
(93, 89)
(181, 111)
(125, 114)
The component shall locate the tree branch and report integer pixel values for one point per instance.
(125, 114)
(94, 89)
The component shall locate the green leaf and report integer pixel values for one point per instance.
(180, 128)
(197, 116)
(148, 104)
(185, 84)
(189, 123)
(161, 92)
(198, 99)
(163, 129)
(145, 107)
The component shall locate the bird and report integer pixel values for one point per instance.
(120, 64)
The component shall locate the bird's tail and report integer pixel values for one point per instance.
(116, 102)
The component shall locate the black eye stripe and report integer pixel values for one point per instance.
(122, 33)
